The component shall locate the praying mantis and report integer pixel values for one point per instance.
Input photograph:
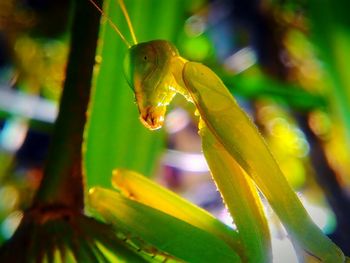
(238, 157)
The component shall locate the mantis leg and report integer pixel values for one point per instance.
(158, 230)
(241, 139)
(145, 191)
(241, 198)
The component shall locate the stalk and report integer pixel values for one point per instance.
(63, 182)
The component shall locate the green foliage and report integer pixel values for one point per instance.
(115, 136)
(330, 31)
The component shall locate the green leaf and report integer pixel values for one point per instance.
(115, 137)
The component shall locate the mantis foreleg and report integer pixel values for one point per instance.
(241, 197)
(241, 139)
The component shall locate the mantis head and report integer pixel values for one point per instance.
(148, 69)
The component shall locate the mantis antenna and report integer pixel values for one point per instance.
(127, 18)
(116, 29)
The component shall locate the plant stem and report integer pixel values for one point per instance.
(63, 182)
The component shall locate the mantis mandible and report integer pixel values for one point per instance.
(239, 159)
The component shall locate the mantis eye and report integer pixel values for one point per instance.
(139, 63)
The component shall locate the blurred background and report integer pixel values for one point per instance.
(287, 62)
